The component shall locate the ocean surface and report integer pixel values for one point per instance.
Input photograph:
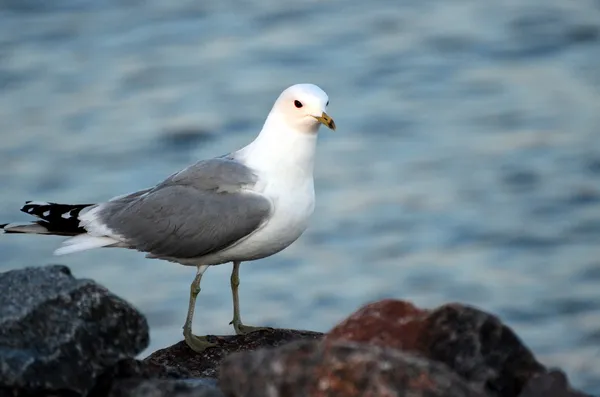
(465, 167)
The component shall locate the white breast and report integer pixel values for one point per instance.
(283, 159)
(293, 199)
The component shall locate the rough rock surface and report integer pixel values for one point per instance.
(551, 384)
(65, 337)
(474, 344)
(130, 372)
(343, 369)
(58, 333)
(477, 346)
(206, 365)
(165, 388)
(138, 378)
(386, 323)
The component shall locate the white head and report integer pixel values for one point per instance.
(289, 135)
(303, 108)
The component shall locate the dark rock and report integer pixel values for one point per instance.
(551, 384)
(130, 378)
(474, 344)
(477, 346)
(58, 333)
(206, 364)
(131, 372)
(315, 369)
(165, 388)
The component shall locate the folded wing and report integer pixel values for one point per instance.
(200, 210)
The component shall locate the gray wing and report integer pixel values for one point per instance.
(195, 212)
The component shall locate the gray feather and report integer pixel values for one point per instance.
(219, 174)
(198, 211)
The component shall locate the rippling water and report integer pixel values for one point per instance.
(466, 166)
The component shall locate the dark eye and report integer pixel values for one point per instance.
(327, 104)
(298, 104)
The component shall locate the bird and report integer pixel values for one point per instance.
(242, 206)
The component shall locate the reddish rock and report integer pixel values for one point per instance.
(474, 344)
(380, 323)
(338, 369)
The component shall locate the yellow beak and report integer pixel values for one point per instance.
(326, 121)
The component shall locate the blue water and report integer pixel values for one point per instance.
(466, 165)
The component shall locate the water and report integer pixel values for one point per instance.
(466, 165)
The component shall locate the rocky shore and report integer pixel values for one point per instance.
(62, 336)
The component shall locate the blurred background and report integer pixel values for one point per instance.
(466, 165)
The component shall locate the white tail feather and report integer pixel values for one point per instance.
(32, 228)
(84, 242)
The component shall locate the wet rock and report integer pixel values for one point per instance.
(206, 365)
(474, 344)
(58, 333)
(551, 384)
(341, 369)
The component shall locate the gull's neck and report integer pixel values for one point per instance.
(281, 148)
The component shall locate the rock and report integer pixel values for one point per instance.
(58, 333)
(551, 384)
(338, 369)
(474, 344)
(165, 388)
(62, 336)
(381, 323)
(130, 372)
(131, 378)
(206, 364)
(477, 346)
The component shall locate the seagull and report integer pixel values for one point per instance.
(243, 206)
